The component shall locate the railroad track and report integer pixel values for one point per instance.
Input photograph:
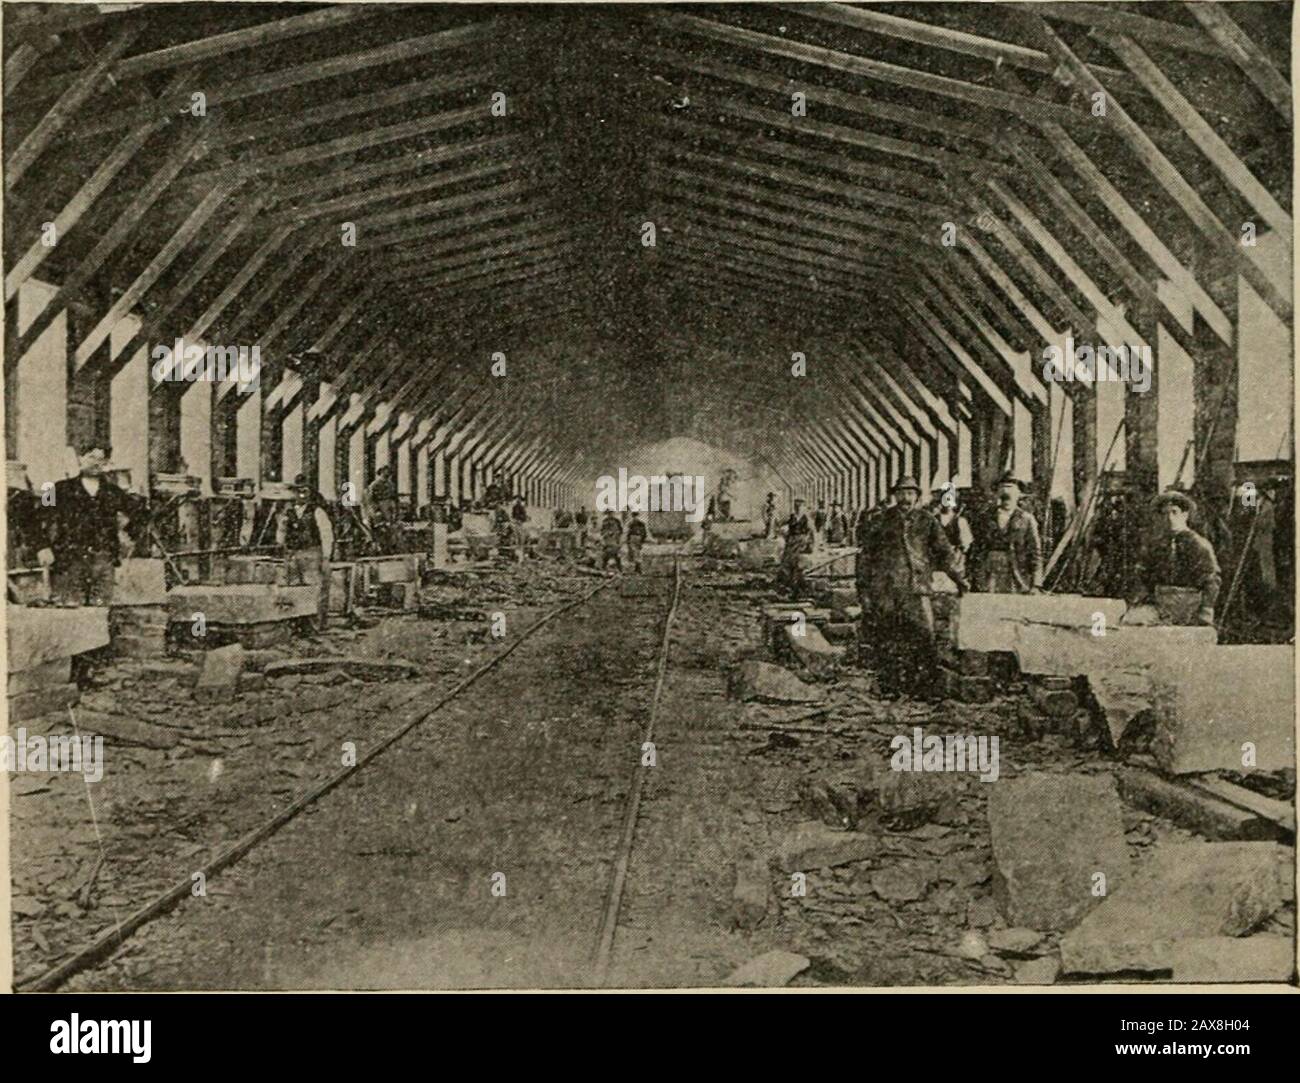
(108, 942)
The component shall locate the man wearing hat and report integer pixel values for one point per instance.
(905, 546)
(1185, 559)
(309, 544)
(84, 531)
(1010, 554)
(798, 530)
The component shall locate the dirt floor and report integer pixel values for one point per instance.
(477, 851)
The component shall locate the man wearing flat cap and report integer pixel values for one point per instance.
(1010, 554)
(905, 546)
(1184, 559)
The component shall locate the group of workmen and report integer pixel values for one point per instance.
(901, 545)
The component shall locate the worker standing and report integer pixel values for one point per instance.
(379, 505)
(905, 546)
(798, 531)
(837, 525)
(1010, 555)
(637, 535)
(1185, 560)
(819, 519)
(519, 517)
(769, 515)
(85, 525)
(309, 544)
(957, 528)
(611, 540)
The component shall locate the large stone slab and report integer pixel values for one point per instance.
(1219, 699)
(813, 845)
(243, 603)
(24, 706)
(219, 674)
(989, 622)
(46, 675)
(767, 683)
(37, 636)
(1052, 836)
(139, 581)
(1123, 666)
(400, 568)
(769, 971)
(812, 650)
(1234, 958)
(1191, 890)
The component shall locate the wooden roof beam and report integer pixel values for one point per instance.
(1238, 47)
(132, 295)
(1207, 140)
(1183, 194)
(78, 92)
(253, 85)
(894, 74)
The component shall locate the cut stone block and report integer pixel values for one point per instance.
(37, 636)
(1052, 834)
(769, 971)
(990, 622)
(139, 581)
(767, 683)
(1191, 890)
(243, 603)
(813, 845)
(403, 568)
(1191, 808)
(254, 569)
(1233, 958)
(1220, 698)
(26, 705)
(219, 676)
(813, 651)
(1122, 666)
(40, 677)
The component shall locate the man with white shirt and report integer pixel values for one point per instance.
(84, 528)
(309, 543)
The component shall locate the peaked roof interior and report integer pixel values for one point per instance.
(777, 229)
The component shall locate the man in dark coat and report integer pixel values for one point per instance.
(798, 532)
(611, 541)
(85, 523)
(309, 544)
(1184, 559)
(905, 547)
(637, 535)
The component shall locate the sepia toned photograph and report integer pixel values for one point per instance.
(648, 496)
